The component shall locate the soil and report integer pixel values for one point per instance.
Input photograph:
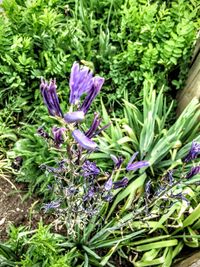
(13, 209)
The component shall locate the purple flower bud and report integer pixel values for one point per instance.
(118, 161)
(80, 82)
(93, 92)
(193, 153)
(95, 124)
(83, 140)
(121, 183)
(50, 97)
(90, 169)
(42, 133)
(58, 135)
(193, 171)
(76, 116)
(137, 165)
(108, 184)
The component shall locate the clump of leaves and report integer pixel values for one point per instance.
(164, 198)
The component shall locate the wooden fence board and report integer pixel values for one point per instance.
(192, 87)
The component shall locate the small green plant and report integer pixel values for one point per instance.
(32, 248)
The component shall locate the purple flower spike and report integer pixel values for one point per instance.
(83, 140)
(120, 184)
(193, 153)
(108, 185)
(90, 169)
(97, 84)
(58, 135)
(80, 82)
(50, 97)
(136, 165)
(193, 171)
(76, 116)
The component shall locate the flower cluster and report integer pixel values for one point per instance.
(81, 82)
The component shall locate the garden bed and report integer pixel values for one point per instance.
(97, 169)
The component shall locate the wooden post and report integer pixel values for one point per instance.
(192, 88)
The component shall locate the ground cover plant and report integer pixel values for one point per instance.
(132, 193)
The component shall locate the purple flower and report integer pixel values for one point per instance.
(58, 135)
(80, 82)
(50, 97)
(93, 130)
(118, 161)
(121, 183)
(193, 171)
(137, 165)
(90, 169)
(76, 116)
(83, 140)
(93, 92)
(52, 205)
(95, 124)
(108, 184)
(193, 153)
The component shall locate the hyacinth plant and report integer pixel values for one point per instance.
(82, 191)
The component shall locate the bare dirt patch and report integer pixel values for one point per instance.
(13, 209)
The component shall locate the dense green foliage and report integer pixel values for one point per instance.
(128, 43)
